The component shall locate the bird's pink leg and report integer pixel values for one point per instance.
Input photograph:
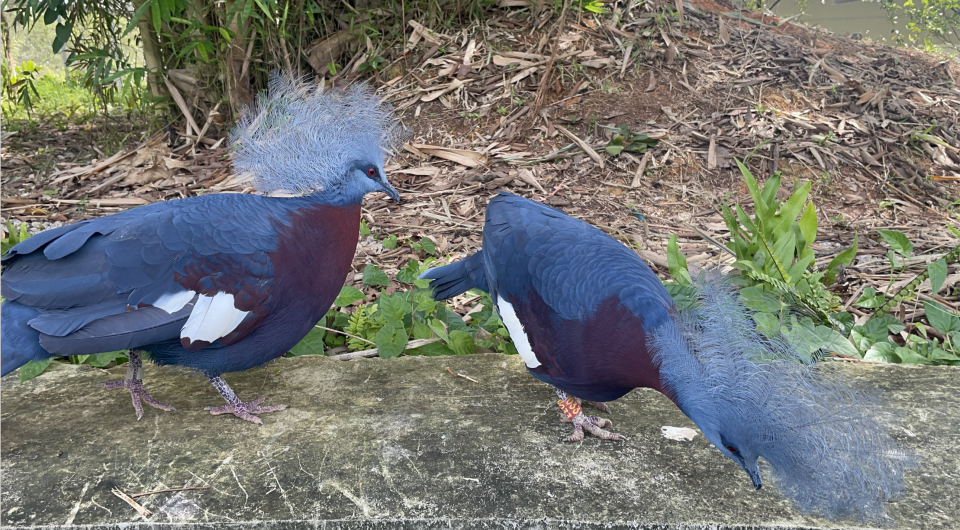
(134, 384)
(245, 411)
(572, 412)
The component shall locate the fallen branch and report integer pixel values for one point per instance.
(373, 352)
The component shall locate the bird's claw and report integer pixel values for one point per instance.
(137, 392)
(599, 405)
(592, 424)
(246, 411)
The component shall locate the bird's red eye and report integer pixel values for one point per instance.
(371, 172)
(731, 449)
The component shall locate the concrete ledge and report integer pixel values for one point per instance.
(402, 444)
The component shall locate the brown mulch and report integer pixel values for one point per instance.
(875, 128)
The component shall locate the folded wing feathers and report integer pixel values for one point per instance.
(173, 302)
(212, 318)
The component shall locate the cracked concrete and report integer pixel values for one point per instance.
(403, 444)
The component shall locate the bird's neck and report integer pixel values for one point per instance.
(335, 196)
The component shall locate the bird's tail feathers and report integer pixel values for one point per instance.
(825, 440)
(457, 278)
(19, 343)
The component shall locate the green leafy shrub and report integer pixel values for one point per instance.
(395, 319)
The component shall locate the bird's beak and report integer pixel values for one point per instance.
(755, 477)
(390, 190)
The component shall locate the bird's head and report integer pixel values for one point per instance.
(823, 440)
(298, 138)
(738, 447)
(367, 176)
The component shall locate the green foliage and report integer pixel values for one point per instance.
(390, 323)
(878, 339)
(33, 369)
(13, 236)
(63, 103)
(773, 252)
(374, 277)
(773, 247)
(627, 140)
(925, 20)
(20, 84)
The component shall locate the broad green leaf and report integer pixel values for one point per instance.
(745, 220)
(33, 369)
(390, 242)
(421, 330)
(348, 295)
(432, 349)
(941, 319)
(137, 15)
(908, 356)
(767, 324)
(791, 209)
(614, 150)
(897, 241)
(883, 352)
(840, 261)
(312, 344)
(677, 262)
(391, 341)
(834, 342)
(939, 354)
(842, 320)
(751, 186)
(102, 359)
(428, 246)
(869, 299)
(394, 307)
(796, 270)
(808, 224)
(155, 14)
(462, 343)
(768, 197)
(409, 273)
(782, 254)
(374, 277)
(757, 300)
(938, 273)
(684, 296)
(437, 327)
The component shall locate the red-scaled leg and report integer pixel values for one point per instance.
(572, 412)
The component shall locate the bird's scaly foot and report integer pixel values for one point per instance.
(573, 413)
(243, 410)
(134, 384)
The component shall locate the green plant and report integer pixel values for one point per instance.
(12, 236)
(926, 20)
(627, 140)
(773, 253)
(390, 323)
(21, 83)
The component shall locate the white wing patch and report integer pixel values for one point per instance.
(173, 302)
(519, 336)
(212, 318)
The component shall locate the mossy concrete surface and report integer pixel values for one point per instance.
(404, 444)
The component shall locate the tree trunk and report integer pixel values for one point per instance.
(7, 42)
(237, 67)
(152, 54)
